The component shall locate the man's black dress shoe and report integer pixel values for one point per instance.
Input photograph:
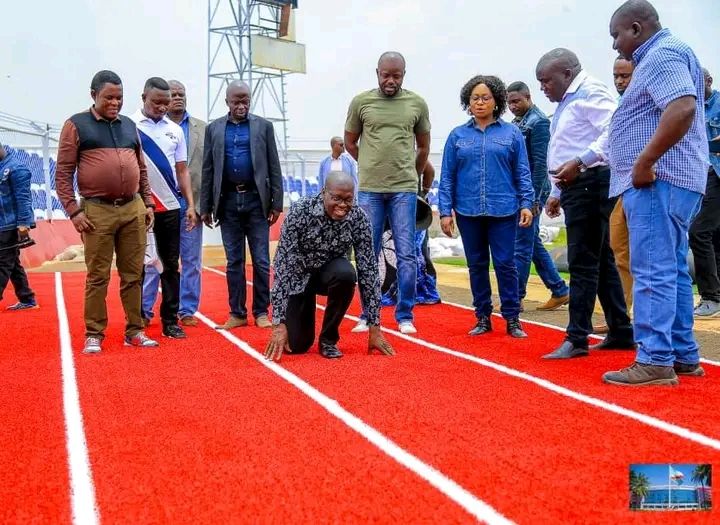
(330, 351)
(514, 328)
(173, 331)
(483, 326)
(566, 351)
(614, 344)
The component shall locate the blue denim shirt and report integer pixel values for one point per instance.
(712, 121)
(15, 197)
(535, 127)
(485, 173)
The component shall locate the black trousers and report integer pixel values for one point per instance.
(704, 241)
(590, 259)
(336, 279)
(167, 238)
(11, 270)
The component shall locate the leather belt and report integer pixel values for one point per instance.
(240, 188)
(122, 201)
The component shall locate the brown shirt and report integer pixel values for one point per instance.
(108, 158)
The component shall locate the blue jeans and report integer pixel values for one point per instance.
(400, 208)
(151, 283)
(191, 267)
(482, 236)
(658, 221)
(242, 217)
(529, 247)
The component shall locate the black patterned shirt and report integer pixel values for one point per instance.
(309, 238)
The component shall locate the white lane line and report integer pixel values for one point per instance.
(654, 422)
(434, 477)
(82, 490)
(561, 329)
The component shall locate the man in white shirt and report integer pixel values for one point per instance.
(338, 160)
(577, 162)
(165, 151)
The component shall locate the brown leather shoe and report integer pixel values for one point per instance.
(554, 303)
(189, 320)
(638, 374)
(232, 322)
(262, 321)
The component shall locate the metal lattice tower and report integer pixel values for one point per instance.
(231, 27)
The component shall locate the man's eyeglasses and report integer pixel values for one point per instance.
(336, 199)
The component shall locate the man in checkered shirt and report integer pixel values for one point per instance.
(658, 154)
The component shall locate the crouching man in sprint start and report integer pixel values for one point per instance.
(312, 259)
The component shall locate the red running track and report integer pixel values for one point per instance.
(33, 457)
(198, 431)
(477, 425)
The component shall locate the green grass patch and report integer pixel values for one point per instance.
(561, 240)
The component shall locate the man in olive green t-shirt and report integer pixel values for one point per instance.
(383, 127)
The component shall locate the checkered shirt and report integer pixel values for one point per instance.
(665, 70)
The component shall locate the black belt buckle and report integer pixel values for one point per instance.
(119, 202)
(242, 188)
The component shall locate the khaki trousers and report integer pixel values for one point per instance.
(620, 244)
(119, 230)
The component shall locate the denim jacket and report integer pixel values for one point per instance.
(348, 165)
(712, 121)
(535, 127)
(15, 197)
(485, 173)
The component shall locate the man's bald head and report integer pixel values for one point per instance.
(237, 98)
(555, 71)
(237, 86)
(339, 180)
(638, 10)
(633, 24)
(560, 58)
(390, 72)
(338, 194)
(391, 56)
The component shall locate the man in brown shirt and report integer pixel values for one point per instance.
(116, 208)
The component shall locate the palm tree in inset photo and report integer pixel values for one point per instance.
(703, 475)
(639, 487)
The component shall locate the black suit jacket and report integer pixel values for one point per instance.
(265, 160)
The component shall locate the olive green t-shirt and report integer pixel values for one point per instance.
(387, 127)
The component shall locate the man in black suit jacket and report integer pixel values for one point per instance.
(242, 190)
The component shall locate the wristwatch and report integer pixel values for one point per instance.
(581, 165)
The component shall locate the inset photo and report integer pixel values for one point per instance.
(665, 486)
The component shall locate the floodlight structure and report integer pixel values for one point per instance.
(253, 41)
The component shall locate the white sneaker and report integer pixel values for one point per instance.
(361, 326)
(406, 327)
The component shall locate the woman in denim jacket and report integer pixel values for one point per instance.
(485, 180)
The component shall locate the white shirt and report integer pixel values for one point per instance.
(163, 144)
(336, 164)
(580, 125)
